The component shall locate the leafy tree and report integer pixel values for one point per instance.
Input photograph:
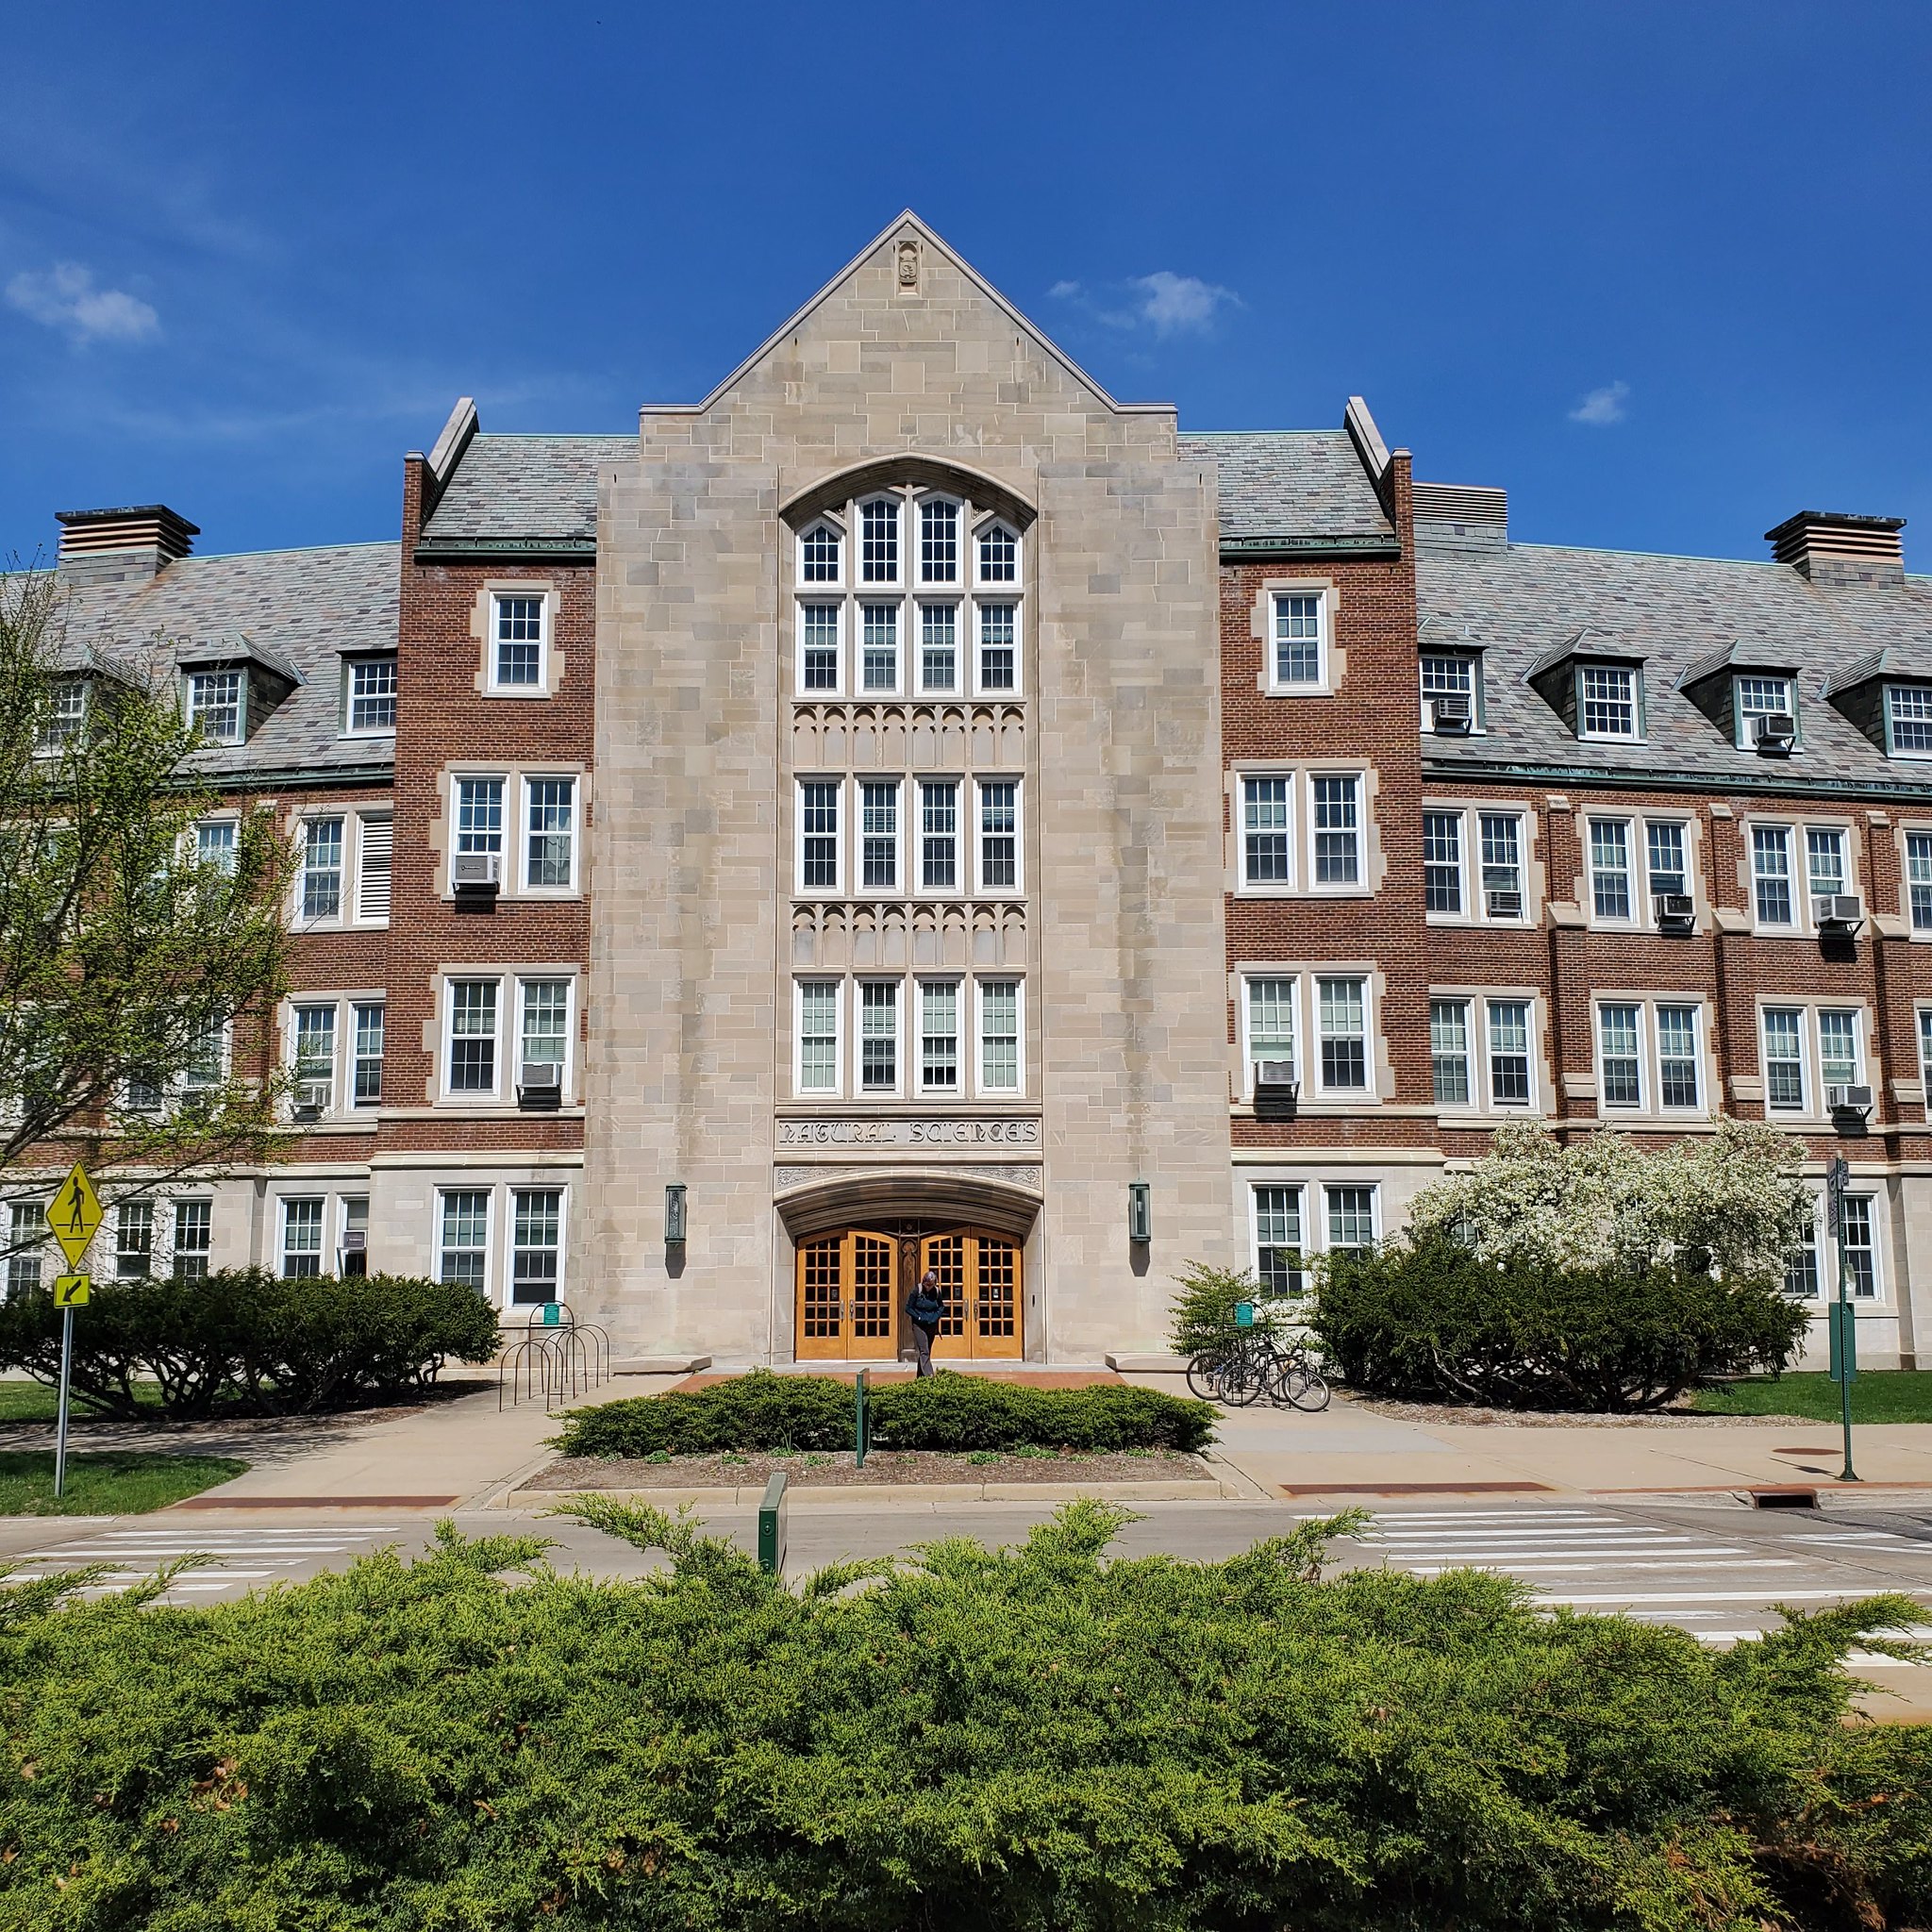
(130, 961)
(1731, 1199)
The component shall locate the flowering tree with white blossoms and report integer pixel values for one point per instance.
(1733, 1195)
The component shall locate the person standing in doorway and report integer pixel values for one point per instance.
(925, 1307)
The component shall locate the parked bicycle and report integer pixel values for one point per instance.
(1253, 1363)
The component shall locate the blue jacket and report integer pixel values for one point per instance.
(926, 1307)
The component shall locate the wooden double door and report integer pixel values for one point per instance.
(851, 1289)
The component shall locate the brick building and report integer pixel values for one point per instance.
(909, 808)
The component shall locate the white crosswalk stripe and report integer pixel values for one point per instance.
(241, 1556)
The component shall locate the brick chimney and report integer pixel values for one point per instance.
(105, 546)
(1832, 548)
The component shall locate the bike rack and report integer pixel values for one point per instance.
(557, 1358)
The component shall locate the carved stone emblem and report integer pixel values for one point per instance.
(908, 263)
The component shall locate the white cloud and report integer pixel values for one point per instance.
(1168, 303)
(1174, 305)
(1603, 407)
(65, 297)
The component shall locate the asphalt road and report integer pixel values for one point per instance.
(1715, 1572)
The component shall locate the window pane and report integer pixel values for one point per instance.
(1298, 640)
(999, 1035)
(1760, 697)
(322, 869)
(1351, 1217)
(1609, 695)
(818, 806)
(134, 1239)
(1449, 1051)
(1825, 852)
(1919, 878)
(878, 1035)
(1447, 676)
(1771, 864)
(1783, 1057)
(373, 695)
(193, 1238)
(1278, 1239)
(880, 837)
(997, 646)
(26, 1244)
(818, 646)
(1443, 861)
(938, 646)
(1271, 1019)
(817, 1036)
(465, 1236)
(939, 1028)
(473, 1036)
(549, 846)
(1265, 811)
(819, 554)
(1800, 1271)
(999, 842)
(369, 1020)
(1338, 834)
(214, 704)
(1501, 845)
(1911, 708)
(315, 1055)
(479, 815)
(300, 1240)
(878, 526)
(1345, 1040)
(1861, 1253)
(1609, 866)
(939, 543)
(1509, 1053)
(999, 556)
(938, 837)
(1617, 1033)
(519, 641)
(536, 1244)
(1668, 871)
(1676, 1056)
(880, 641)
(546, 1020)
(1838, 1047)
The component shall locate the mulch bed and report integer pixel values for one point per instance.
(830, 1468)
(1451, 1412)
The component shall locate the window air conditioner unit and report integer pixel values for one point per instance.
(1453, 715)
(539, 1083)
(1675, 911)
(1504, 904)
(1774, 731)
(1841, 912)
(1853, 1100)
(477, 871)
(311, 1097)
(1276, 1078)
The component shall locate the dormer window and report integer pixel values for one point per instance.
(215, 706)
(939, 541)
(1908, 720)
(1451, 692)
(1607, 705)
(999, 555)
(371, 695)
(818, 555)
(66, 716)
(517, 643)
(1298, 652)
(878, 552)
(1758, 696)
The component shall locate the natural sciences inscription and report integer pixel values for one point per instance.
(909, 1133)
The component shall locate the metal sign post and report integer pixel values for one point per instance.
(1842, 1317)
(75, 1217)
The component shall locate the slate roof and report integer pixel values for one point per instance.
(1290, 483)
(523, 489)
(304, 607)
(1684, 614)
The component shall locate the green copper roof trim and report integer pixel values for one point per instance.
(473, 549)
(1605, 778)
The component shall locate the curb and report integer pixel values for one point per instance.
(841, 1496)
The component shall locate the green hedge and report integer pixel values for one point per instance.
(1032, 1738)
(945, 1412)
(1435, 1324)
(247, 1341)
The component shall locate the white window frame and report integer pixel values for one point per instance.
(964, 836)
(1248, 886)
(1893, 690)
(1368, 1092)
(965, 556)
(510, 1240)
(1472, 661)
(1357, 887)
(228, 856)
(1008, 595)
(840, 986)
(317, 1003)
(938, 598)
(363, 660)
(1875, 1222)
(471, 1096)
(838, 604)
(1000, 588)
(493, 683)
(197, 710)
(860, 1090)
(511, 1076)
(962, 1036)
(899, 607)
(1300, 1190)
(1584, 670)
(526, 782)
(1470, 814)
(862, 578)
(899, 787)
(981, 1088)
(1373, 1191)
(488, 1287)
(1298, 1020)
(1018, 884)
(1273, 682)
(507, 795)
(836, 888)
(1797, 837)
(822, 588)
(1742, 719)
(353, 1057)
(1908, 907)
(1812, 1055)
(300, 917)
(1484, 1003)
(284, 1218)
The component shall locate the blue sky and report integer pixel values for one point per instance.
(1664, 271)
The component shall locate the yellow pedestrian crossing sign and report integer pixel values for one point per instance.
(72, 1291)
(75, 1214)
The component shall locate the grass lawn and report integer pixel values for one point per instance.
(35, 1402)
(1879, 1395)
(127, 1482)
